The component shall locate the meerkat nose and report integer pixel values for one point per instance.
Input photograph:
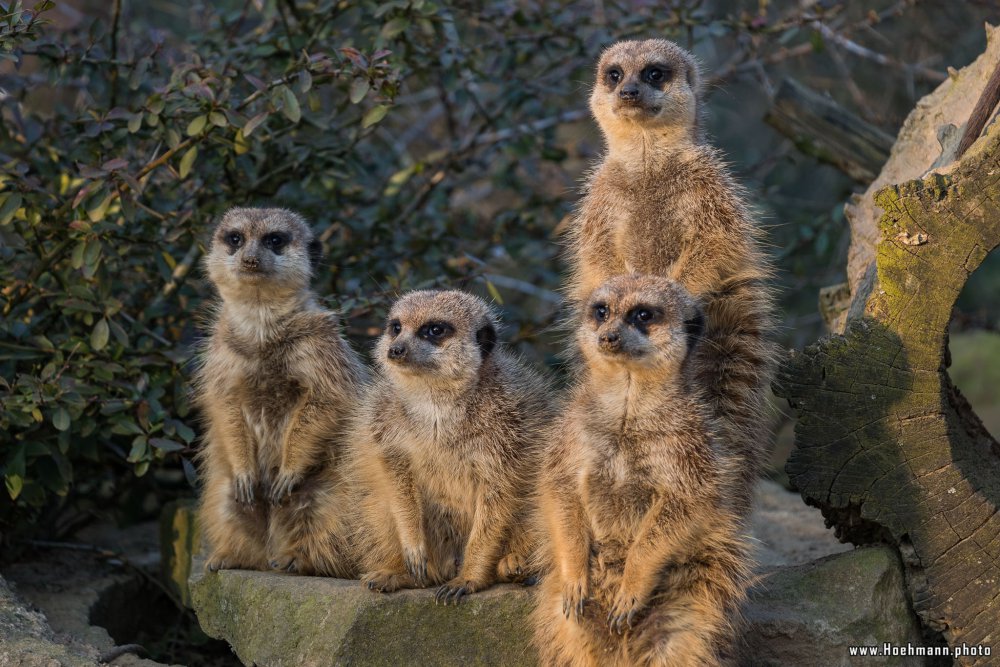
(251, 262)
(610, 341)
(397, 352)
(629, 92)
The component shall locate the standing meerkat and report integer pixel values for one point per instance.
(275, 386)
(445, 448)
(646, 563)
(662, 202)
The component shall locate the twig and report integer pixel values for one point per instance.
(926, 73)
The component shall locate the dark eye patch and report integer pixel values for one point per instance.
(642, 316)
(613, 76)
(657, 75)
(393, 328)
(275, 241)
(435, 331)
(233, 240)
(600, 311)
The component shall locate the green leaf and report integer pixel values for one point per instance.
(9, 207)
(374, 115)
(166, 445)
(98, 207)
(141, 469)
(359, 88)
(218, 119)
(76, 258)
(395, 26)
(254, 122)
(305, 81)
(188, 161)
(139, 449)
(99, 335)
(290, 107)
(135, 123)
(60, 419)
(196, 125)
(14, 485)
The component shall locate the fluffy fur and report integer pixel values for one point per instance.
(645, 562)
(446, 447)
(275, 386)
(662, 202)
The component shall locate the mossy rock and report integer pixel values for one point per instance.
(804, 615)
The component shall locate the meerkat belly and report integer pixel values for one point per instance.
(268, 404)
(617, 495)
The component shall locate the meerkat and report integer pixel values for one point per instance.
(662, 202)
(646, 563)
(275, 386)
(446, 445)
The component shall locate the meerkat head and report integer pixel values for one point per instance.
(644, 323)
(437, 336)
(649, 85)
(261, 252)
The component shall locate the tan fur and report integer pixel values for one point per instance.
(662, 202)
(446, 448)
(275, 386)
(645, 563)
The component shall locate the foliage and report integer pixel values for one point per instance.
(430, 143)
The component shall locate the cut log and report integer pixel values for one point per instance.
(886, 446)
(822, 128)
(928, 140)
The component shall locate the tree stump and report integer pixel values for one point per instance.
(886, 446)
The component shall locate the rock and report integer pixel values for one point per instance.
(787, 531)
(26, 640)
(86, 595)
(808, 615)
(278, 620)
(800, 615)
(179, 539)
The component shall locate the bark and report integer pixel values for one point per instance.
(886, 446)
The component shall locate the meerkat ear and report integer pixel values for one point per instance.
(694, 327)
(315, 249)
(486, 337)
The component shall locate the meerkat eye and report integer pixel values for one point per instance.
(600, 312)
(644, 315)
(613, 75)
(275, 241)
(234, 239)
(656, 74)
(395, 327)
(435, 332)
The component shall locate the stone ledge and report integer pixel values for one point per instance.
(799, 615)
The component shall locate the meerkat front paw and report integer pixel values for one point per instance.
(385, 581)
(456, 589)
(283, 485)
(243, 489)
(511, 567)
(415, 560)
(284, 563)
(574, 598)
(623, 611)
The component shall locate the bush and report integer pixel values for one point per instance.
(426, 141)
